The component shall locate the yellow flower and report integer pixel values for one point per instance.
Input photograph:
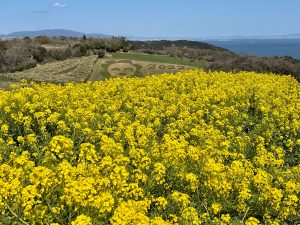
(131, 213)
(161, 202)
(192, 180)
(252, 221)
(180, 148)
(5, 129)
(216, 208)
(82, 220)
(87, 153)
(61, 146)
(225, 218)
(159, 172)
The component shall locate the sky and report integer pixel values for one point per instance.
(154, 18)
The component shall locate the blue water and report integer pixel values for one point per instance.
(262, 47)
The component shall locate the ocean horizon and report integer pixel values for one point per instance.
(261, 47)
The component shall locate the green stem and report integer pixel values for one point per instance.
(15, 215)
(245, 214)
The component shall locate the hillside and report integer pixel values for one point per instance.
(22, 54)
(161, 44)
(92, 68)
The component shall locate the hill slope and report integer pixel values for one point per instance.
(92, 68)
(160, 45)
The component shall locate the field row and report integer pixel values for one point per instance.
(70, 70)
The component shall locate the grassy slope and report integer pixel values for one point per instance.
(159, 59)
(89, 68)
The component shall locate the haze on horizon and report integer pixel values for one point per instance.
(155, 18)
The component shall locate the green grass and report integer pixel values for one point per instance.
(90, 68)
(159, 59)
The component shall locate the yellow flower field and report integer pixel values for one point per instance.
(185, 148)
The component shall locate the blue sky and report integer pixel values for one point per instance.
(164, 18)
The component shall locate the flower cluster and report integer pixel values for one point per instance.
(193, 147)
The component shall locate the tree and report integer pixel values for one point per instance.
(100, 53)
(79, 49)
(26, 38)
(39, 54)
(84, 37)
(43, 40)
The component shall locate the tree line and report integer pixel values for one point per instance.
(26, 53)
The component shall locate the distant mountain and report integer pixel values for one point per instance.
(50, 33)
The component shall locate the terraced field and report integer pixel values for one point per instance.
(71, 70)
(94, 69)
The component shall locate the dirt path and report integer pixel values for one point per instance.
(97, 73)
(92, 72)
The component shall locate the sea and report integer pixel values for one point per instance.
(261, 47)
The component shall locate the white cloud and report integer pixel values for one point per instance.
(58, 5)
